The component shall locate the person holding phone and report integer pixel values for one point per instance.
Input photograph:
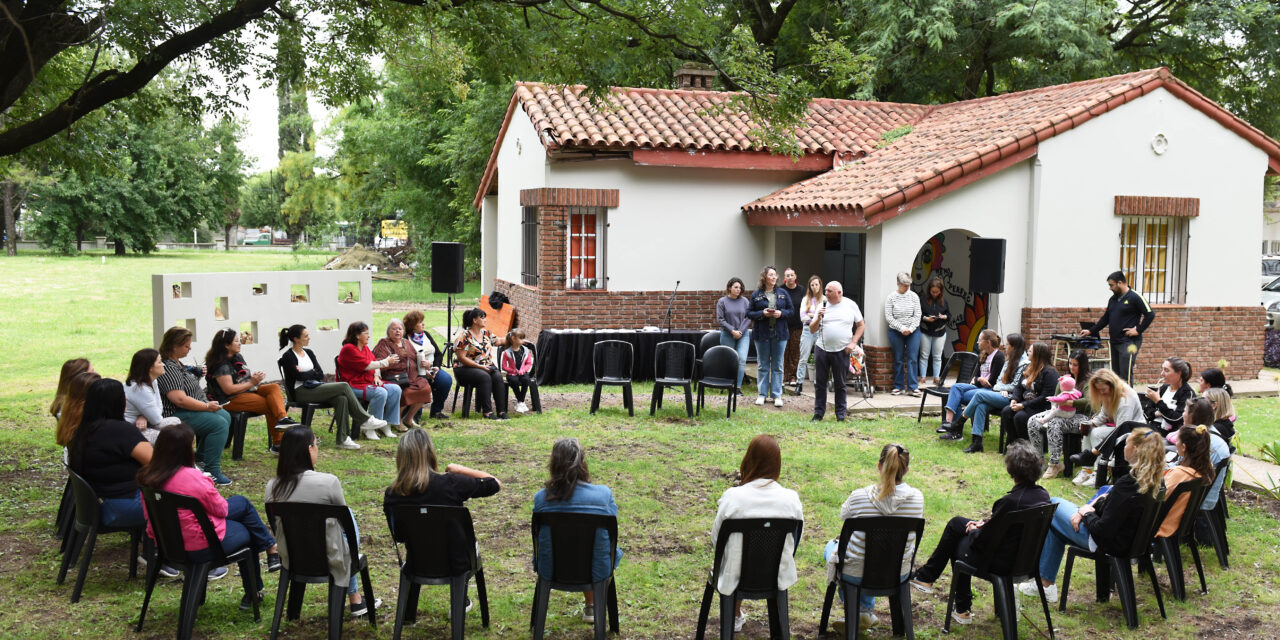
(183, 398)
(933, 330)
(838, 325)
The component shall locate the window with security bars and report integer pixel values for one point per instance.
(1153, 257)
(586, 248)
(529, 247)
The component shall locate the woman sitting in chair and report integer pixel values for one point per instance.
(231, 383)
(302, 369)
(107, 452)
(297, 481)
(173, 469)
(143, 407)
(569, 490)
(890, 496)
(430, 358)
(962, 537)
(415, 390)
(71, 410)
(474, 366)
(356, 367)
(70, 369)
(991, 362)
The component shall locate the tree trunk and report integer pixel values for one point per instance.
(79, 238)
(10, 205)
(226, 235)
(119, 242)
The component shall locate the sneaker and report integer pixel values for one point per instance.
(373, 423)
(439, 415)
(468, 606)
(589, 615)
(738, 622)
(246, 603)
(914, 393)
(165, 570)
(361, 608)
(1085, 474)
(1053, 471)
(896, 392)
(962, 618)
(274, 450)
(273, 562)
(522, 407)
(285, 423)
(348, 444)
(218, 573)
(777, 402)
(759, 401)
(221, 480)
(922, 587)
(1028, 588)
(867, 620)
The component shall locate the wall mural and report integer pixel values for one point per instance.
(968, 310)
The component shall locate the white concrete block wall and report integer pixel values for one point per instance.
(269, 311)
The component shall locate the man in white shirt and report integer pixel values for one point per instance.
(839, 326)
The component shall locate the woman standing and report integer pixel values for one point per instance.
(297, 481)
(430, 357)
(1046, 425)
(143, 407)
(238, 389)
(357, 368)
(415, 391)
(1031, 396)
(183, 398)
(758, 495)
(902, 312)
(985, 401)
(770, 307)
(991, 358)
(933, 330)
(809, 305)
(735, 326)
(303, 371)
(473, 364)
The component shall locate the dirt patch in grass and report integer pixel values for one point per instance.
(1247, 498)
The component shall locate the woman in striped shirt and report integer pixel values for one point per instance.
(890, 496)
(902, 312)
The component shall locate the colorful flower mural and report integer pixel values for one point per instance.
(930, 261)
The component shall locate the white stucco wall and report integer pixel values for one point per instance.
(522, 164)
(1085, 168)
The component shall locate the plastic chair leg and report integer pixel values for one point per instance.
(920, 413)
(688, 399)
(193, 586)
(1105, 578)
(1044, 603)
(402, 605)
(1218, 533)
(368, 596)
(655, 400)
(533, 396)
(1195, 554)
(135, 537)
(337, 605)
(249, 568)
(613, 604)
(153, 570)
(86, 554)
(600, 602)
(542, 593)
(951, 603)
(458, 607)
(628, 400)
(1173, 563)
(1000, 595)
(483, 596)
(727, 614)
(282, 593)
(1155, 586)
(1066, 581)
(66, 514)
(595, 398)
(70, 553)
(900, 612)
(852, 621)
(1124, 589)
(704, 611)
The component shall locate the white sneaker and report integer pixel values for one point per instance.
(759, 401)
(369, 434)
(1086, 473)
(1028, 589)
(866, 620)
(738, 622)
(1090, 480)
(522, 407)
(777, 402)
(589, 615)
(387, 432)
(373, 423)
(348, 444)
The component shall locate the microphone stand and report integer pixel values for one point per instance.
(666, 323)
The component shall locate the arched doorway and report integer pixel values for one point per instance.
(946, 255)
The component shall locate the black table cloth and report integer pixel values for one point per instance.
(565, 356)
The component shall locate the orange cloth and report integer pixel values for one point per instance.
(266, 401)
(1172, 478)
(499, 321)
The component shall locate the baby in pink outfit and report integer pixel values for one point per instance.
(1064, 403)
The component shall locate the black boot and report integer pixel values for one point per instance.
(957, 425)
(1083, 459)
(975, 446)
(945, 427)
(951, 435)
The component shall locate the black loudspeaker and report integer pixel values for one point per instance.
(446, 267)
(986, 265)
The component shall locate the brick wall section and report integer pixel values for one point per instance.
(553, 308)
(880, 366)
(1200, 335)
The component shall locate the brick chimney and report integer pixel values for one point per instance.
(695, 76)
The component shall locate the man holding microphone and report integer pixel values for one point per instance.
(838, 325)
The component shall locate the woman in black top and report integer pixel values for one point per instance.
(1165, 407)
(1031, 396)
(302, 374)
(418, 483)
(107, 452)
(934, 315)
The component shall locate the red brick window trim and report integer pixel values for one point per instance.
(1157, 206)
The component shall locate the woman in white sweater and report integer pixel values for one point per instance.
(142, 405)
(902, 312)
(758, 495)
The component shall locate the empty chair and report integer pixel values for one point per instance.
(709, 339)
(763, 543)
(1116, 568)
(719, 371)
(82, 534)
(612, 360)
(887, 539)
(968, 366)
(1169, 547)
(433, 536)
(573, 542)
(162, 512)
(673, 367)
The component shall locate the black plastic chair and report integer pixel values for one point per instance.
(573, 542)
(465, 390)
(290, 398)
(1169, 547)
(1117, 569)
(534, 400)
(886, 542)
(1216, 518)
(1010, 554)
(66, 514)
(673, 367)
(763, 543)
(83, 532)
(967, 361)
(612, 362)
(303, 526)
(162, 511)
(719, 371)
(433, 536)
(709, 339)
(235, 438)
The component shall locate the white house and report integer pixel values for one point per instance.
(592, 212)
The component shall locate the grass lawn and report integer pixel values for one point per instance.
(666, 473)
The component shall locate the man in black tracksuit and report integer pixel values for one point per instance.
(1128, 315)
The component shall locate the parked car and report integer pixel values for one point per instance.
(1271, 300)
(1270, 269)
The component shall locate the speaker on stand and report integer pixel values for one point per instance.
(447, 277)
(986, 270)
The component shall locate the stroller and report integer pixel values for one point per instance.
(857, 377)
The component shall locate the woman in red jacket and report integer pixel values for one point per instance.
(357, 368)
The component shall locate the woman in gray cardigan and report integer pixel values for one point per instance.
(735, 327)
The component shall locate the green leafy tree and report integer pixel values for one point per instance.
(310, 200)
(260, 198)
(226, 173)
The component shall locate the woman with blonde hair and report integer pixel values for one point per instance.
(1110, 520)
(1224, 413)
(890, 496)
(70, 369)
(1113, 402)
(809, 305)
(72, 408)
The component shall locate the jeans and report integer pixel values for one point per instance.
(440, 390)
(983, 402)
(960, 395)
(1060, 534)
(212, 429)
(244, 529)
(354, 585)
(384, 401)
(123, 512)
(931, 348)
(834, 364)
(741, 345)
(906, 349)
(807, 338)
(769, 367)
(865, 603)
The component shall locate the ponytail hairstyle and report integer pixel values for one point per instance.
(991, 337)
(73, 406)
(1199, 412)
(894, 461)
(1183, 369)
(291, 333)
(1015, 346)
(173, 338)
(1082, 365)
(1220, 398)
(217, 353)
(568, 467)
(1147, 463)
(762, 460)
(1194, 441)
(1216, 379)
(70, 369)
